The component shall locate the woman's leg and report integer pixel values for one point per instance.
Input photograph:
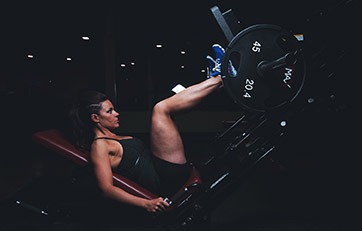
(166, 141)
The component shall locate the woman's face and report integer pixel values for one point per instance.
(108, 116)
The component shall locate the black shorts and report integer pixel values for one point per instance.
(171, 176)
(161, 177)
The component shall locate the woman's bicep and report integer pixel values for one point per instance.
(101, 165)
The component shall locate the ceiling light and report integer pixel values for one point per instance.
(69, 59)
(30, 56)
(182, 67)
(132, 63)
(183, 52)
(159, 46)
(123, 65)
(85, 38)
(203, 71)
(283, 123)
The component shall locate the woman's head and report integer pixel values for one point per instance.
(106, 117)
(90, 110)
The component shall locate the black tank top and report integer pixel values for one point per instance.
(136, 163)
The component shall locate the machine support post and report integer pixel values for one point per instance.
(222, 23)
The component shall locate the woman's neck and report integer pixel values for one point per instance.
(103, 132)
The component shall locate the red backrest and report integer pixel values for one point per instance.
(56, 142)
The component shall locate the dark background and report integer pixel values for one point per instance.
(312, 182)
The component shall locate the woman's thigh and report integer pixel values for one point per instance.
(166, 142)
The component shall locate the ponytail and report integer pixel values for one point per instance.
(81, 132)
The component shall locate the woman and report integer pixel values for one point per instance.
(162, 170)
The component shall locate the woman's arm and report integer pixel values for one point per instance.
(103, 172)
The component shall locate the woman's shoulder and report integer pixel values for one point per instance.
(104, 147)
(99, 144)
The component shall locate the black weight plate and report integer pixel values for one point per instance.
(271, 90)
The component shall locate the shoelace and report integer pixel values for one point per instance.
(217, 66)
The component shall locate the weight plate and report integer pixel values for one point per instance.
(265, 91)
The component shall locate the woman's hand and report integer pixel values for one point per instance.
(156, 205)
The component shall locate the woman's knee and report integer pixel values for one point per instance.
(162, 117)
(161, 108)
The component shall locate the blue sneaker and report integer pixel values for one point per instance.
(219, 53)
(211, 70)
(215, 65)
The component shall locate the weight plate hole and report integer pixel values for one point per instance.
(234, 60)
